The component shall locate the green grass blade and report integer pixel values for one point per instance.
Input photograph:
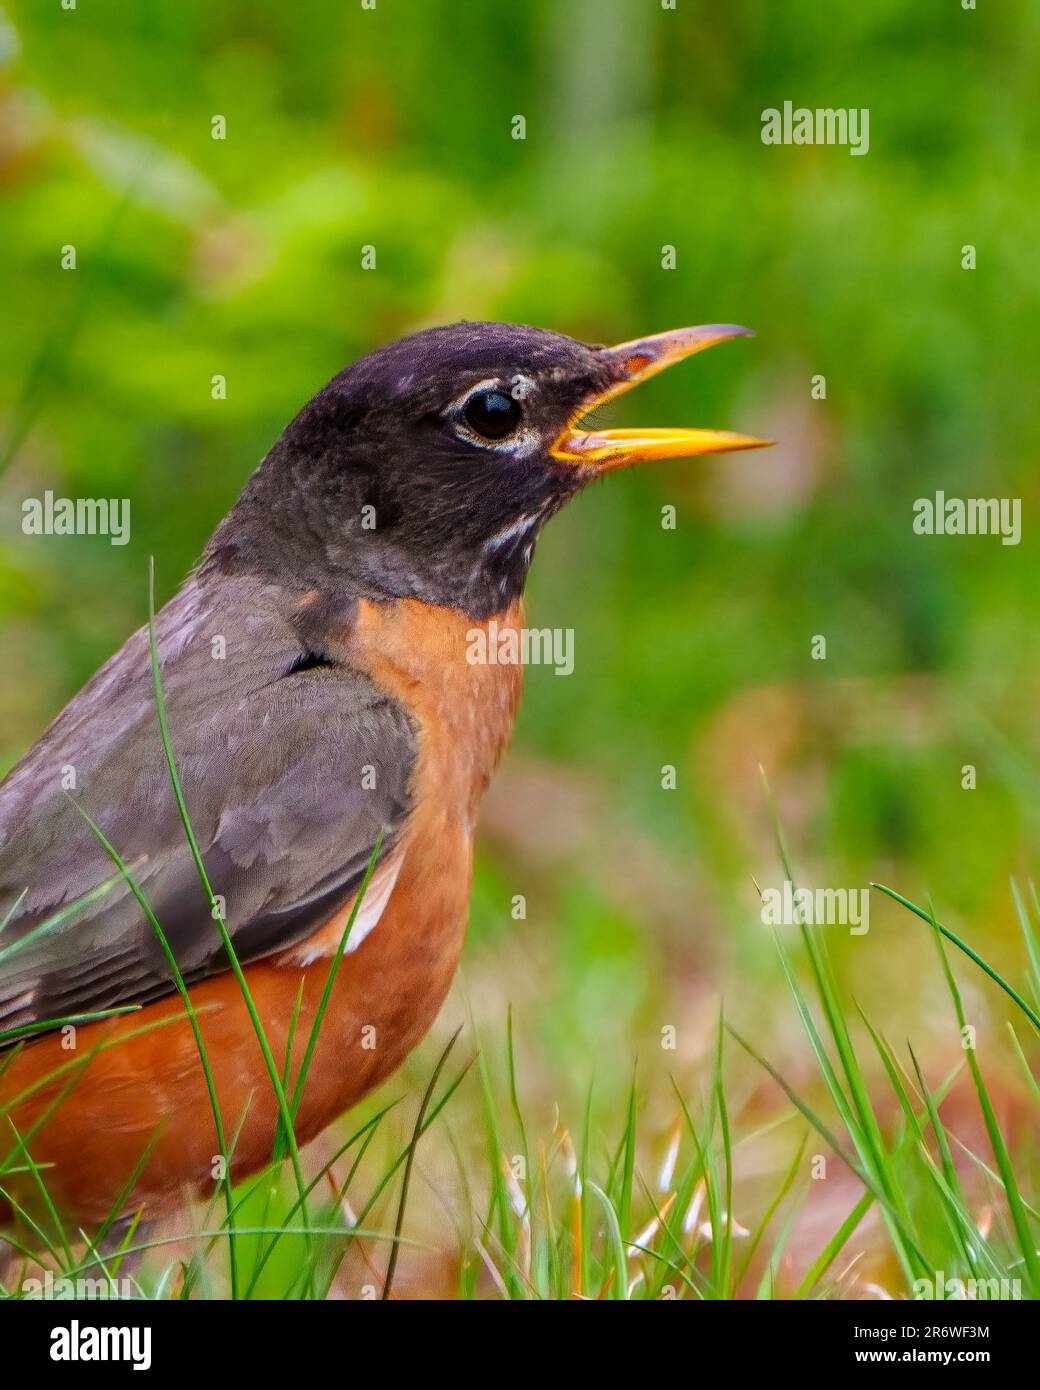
(196, 1029)
(834, 1246)
(410, 1161)
(1016, 1208)
(983, 965)
(330, 978)
(236, 968)
(618, 1261)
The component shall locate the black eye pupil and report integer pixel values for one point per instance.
(492, 414)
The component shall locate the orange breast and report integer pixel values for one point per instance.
(90, 1112)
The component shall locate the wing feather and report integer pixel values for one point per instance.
(289, 775)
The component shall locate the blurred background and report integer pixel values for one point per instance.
(392, 127)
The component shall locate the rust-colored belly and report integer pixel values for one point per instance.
(121, 1087)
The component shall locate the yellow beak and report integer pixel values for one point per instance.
(634, 362)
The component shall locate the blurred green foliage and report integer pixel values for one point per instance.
(391, 127)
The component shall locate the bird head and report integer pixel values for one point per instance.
(428, 468)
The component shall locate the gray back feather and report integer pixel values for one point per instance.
(289, 778)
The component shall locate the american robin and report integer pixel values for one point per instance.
(322, 703)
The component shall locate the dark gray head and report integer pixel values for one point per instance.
(427, 469)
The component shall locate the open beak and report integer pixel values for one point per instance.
(634, 362)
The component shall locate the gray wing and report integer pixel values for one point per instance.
(289, 777)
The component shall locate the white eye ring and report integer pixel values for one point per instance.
(490, 416)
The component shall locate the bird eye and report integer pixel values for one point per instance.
(492, 414)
